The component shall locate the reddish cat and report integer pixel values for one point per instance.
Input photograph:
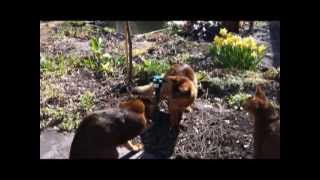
(266, 126)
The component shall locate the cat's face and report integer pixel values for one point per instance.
(256, 103)
(180, 84)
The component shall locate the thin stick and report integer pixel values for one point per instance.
(129, 52)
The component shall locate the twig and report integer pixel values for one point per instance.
(128, 52)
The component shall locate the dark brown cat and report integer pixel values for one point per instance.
(101, 132)
(266, 126)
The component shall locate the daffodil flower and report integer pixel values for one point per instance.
(254, 54)
(261, 49)
(223, 32)
(218, 41)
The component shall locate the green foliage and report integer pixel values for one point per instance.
(119, 60)
(70, 121)
(109, 30)
(96, 46)
(201, 75)
(87, 101)
(151, 67)
(49, 91)
(271, 73)
(233, 83)
(65, 121)
(236, 101)
(174, 28)
(53, 66)
(60, 65)
(102, 62)
(76, 29)
(184, 57)
(76, 23)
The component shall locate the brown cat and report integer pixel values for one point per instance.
(101, 132)
(266, 126)
(180, 88)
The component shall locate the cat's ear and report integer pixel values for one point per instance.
(259, 93)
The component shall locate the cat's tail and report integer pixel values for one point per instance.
(146, 90)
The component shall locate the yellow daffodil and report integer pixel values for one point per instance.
(252, 43)
(254, 46)
(261, 49)
(230, 35)
(239, 47)
(239, 44)
(228, 41)
(223, 32)
(237, 38)
(217, 41)
(254, 54)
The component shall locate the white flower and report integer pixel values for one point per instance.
(196, 26)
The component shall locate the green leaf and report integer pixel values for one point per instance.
(94, 44)
(100, 42)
